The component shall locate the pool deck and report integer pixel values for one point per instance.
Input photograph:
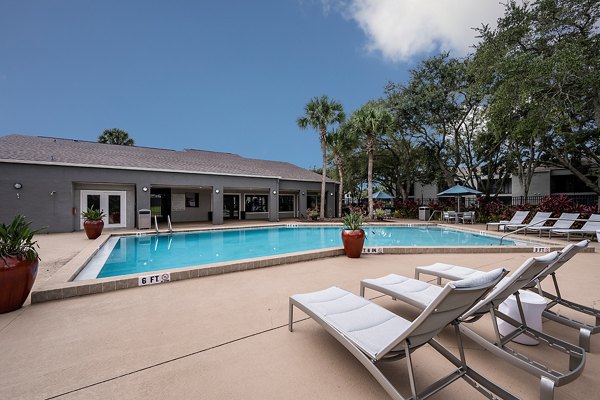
(225, 336)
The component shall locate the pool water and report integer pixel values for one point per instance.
(136, 254)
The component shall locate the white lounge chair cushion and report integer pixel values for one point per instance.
(449, 271)
(367, 325)
(419, 294)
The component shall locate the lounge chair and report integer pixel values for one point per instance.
(518, 218)
(589, 228)
(565, 221)
(586, 330)
(454, 272)
(539, 219)
(419, 294)
(375, 335)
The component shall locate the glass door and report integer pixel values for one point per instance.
(111, 202)
(231, 206)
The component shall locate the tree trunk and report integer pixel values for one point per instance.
(403, 193)
(341, 191)
(370, 175)
(324, 176)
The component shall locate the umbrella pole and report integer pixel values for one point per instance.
(458, 209)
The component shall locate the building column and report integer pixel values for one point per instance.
(274, 203)
(142, 200)
(302, 204)
(330, 201)
(217, 205)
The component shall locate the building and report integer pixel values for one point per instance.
(546, 181)
(51, 180)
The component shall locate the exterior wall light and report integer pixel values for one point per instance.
(302, 193)
(217, 191)
(331, 194)
(145, 189)
(17, 186)
(274, 191)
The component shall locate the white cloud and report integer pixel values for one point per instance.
(402, 29)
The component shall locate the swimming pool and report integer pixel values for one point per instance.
(137, 254)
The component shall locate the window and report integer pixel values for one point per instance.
(257, 203)
(568, 184)
(286, 202)
(191, 199)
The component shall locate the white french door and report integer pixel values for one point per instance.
(111, 202)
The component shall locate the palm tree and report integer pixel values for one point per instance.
(319, 113)
(341, 142)
(371, 121)
(115, 136)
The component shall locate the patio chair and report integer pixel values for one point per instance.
(589, 228)
(539, 219)
(565, 221)
(375, 335)
(420, 294)
(517, 218)
(468, 216)
(450, 216)
(454, 272)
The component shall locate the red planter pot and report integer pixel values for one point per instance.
(16, 279)
(353, 242)
(93, 229)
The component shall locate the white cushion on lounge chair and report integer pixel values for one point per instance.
(369, 326)
(420, 294)
(449, 271)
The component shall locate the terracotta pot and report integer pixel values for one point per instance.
(93, 229)
(16, 279)
(353, 242)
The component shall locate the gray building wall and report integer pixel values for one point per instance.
(193, 214)
(50, 194)
(425, 191)
(540, 185)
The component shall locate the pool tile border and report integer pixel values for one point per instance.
(62, 286)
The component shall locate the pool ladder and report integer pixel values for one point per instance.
(169, 225)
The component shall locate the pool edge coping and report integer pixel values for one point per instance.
(61, 285)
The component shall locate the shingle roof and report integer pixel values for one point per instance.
(46, 150)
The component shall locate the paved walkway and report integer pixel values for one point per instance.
(226, 337)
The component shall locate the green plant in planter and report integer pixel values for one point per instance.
(93, 223)
(16, 240)
(18, 263)
(353, 221)
(379, 214)
(91, 214)
(353, 237)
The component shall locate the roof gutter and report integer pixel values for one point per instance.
(62, 164)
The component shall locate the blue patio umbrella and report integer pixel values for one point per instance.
(458, 191)
(382, 196)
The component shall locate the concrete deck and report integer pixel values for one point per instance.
(226, 336)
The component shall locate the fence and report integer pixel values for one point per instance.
(585, 199)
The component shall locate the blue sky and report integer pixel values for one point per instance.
(229, 76)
